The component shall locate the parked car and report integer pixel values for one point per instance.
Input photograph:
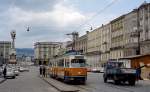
(88, 69)
(96, 70)
(22, 69)
(1, 71)
(26, 69)
(16, 72)
(10, 73)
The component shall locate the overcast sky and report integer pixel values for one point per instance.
(50, 20)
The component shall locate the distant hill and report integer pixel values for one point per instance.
(25, 51)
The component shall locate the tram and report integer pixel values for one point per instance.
(69, 68)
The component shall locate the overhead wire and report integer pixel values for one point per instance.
(96, 14)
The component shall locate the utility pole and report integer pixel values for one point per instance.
(75, 36)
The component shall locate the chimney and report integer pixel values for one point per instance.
(87, 32)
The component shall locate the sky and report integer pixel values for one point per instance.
(50, 20)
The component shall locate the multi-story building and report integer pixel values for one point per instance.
(105, 46)
(81, 44)
(131, 34)
(144, 27)
(5, 47)
(94, 47)
(43, 51)
(117, 39)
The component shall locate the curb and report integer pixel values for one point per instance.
(57, 88)
(2, 81)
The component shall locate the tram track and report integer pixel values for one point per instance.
(59, 88)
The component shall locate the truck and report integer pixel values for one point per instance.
(117, 72)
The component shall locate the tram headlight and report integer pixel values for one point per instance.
(79, 72)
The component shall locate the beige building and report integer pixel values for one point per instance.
(117, 38)
(81, 44)
(131, 34)
(105, 42)
(43, 51)
(94, 47)
(144, 27)
(5, 47)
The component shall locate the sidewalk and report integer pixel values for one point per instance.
(145, 82)
(62, 87)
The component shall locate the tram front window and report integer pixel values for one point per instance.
(78, 63)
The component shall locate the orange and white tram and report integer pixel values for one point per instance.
(69, 68)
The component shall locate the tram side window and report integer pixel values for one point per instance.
(67, 64)
(61, 63)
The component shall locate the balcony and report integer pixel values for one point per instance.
(117, 47)
(131, 45)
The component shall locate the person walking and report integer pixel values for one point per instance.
(5, 72)
(44, 71)
(138, 73)
(40, 70)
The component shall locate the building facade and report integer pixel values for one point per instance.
(144, 27)
(94, 47)
(81, 44)
(5, 47)
(44, 51)
(117, 39)
(131, 34)
(106, 43)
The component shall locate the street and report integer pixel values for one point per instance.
(95, 84)
(31, 82)
(26, 82)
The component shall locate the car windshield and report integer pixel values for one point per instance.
(9, 69)
(78, 63)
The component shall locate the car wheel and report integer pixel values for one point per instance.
(105, 79)
(117, 82)
(14, 77)
(131, 82)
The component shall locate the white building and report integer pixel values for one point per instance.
(43, 51)
(5, 47)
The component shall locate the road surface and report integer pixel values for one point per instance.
(26, 82)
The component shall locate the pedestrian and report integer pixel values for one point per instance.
(44, 70)
(138, 73)
(5, 72)
(40, 70)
